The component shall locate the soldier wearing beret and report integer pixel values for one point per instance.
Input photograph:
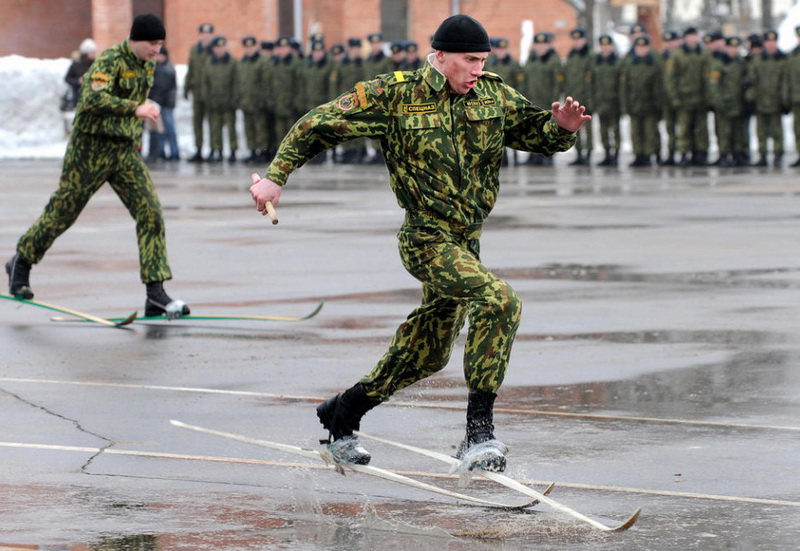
(606, 73)
(222, 95)
(193, 84)
(642, 96)
(443, 129)
(770, 94)
(686, 81)
(104, 147)
(251, 99)
(671, 40)
(726, 94)
(793, 77)
(578, 83)
(544, 77)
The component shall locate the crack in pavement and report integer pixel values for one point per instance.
(84, 468)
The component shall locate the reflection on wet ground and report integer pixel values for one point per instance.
(655, 366)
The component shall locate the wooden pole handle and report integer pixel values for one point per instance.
(268, 205)
(271, 212)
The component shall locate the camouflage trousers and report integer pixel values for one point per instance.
(91, 161)
(219, 120)
(693, 131)
(455, 285)
(769, 125)
(255, 131)
(199, 115)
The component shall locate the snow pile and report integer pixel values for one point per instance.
(30, 121)
(31, 124)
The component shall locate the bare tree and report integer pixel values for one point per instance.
(766, 14)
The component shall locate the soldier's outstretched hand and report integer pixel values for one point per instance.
(570, 115)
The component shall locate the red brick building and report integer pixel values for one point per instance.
(55, 28)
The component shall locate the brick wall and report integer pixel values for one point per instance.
(54, 28)
(44, 28)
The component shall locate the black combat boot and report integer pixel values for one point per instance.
(685, 160)
(159, 303)
(19, 273)
(777, 161)
(232, 157)
(480, 449)
(606, 160)
(579, 161)
(341, 415)
(196, 158)
(762, 161)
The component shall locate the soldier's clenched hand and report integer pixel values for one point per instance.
(264, 190)
(148, 111)
(570, 115)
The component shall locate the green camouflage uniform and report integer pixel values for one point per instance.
(578, 85)
(286, 83)
(198, 58)
(726, 92)
(544, 77)
(251, 101)
(104, 147)
(222, 98)
(669, 112)
(793, 79)
(642, 91)
(770, 92)
(344, 76)
(605, 99)
(686, 80)
(443, 153)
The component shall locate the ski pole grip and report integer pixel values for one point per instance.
(268, 205)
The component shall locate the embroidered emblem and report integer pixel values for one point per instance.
(346, 103)
(128, 74)
(417, 108)
(99, 81)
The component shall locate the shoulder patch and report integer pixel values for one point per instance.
(348, 102)
(99, 81)
(397, 77)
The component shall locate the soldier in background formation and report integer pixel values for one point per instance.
(728, 77)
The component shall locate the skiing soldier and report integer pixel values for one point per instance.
(443, 129)
(104, 147)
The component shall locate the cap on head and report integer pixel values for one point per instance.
(206, 28)
(219, 41)
(606, 40)
(643, 40)
(771, 35)
(87, 46)
(148, 27)
(249, 41)
(578, 33)
(461, 33)
(638, 28)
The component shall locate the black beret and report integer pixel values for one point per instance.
(580, 32)
(461, 33)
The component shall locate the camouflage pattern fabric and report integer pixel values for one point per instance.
(443, 153)
(198, 59)
(105, 148)
(91, 161)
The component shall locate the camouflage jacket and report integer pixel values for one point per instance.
(770, 89)
(114, 86)
(250, 86)
(443, 151)
(221, 83)
(686, 78)
(544, 77)
(198, 58)
(726, 85)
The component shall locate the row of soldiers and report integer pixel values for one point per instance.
(274, 83)
(731, 78)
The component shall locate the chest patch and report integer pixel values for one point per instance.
(417, 108)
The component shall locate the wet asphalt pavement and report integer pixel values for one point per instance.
(656, 367)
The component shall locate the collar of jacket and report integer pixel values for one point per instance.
(696, 50)
(224, 59)
(647, 58)
(438, 81)
(581, 51)
(612, 59)
(128, 52)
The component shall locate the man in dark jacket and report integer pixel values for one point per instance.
(163, 92)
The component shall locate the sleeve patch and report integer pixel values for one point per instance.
(348, 102)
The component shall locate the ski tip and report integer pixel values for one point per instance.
(630, 522)
(127, 321)
(176, 423)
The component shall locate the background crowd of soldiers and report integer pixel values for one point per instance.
(274, 83)
(693, 86)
